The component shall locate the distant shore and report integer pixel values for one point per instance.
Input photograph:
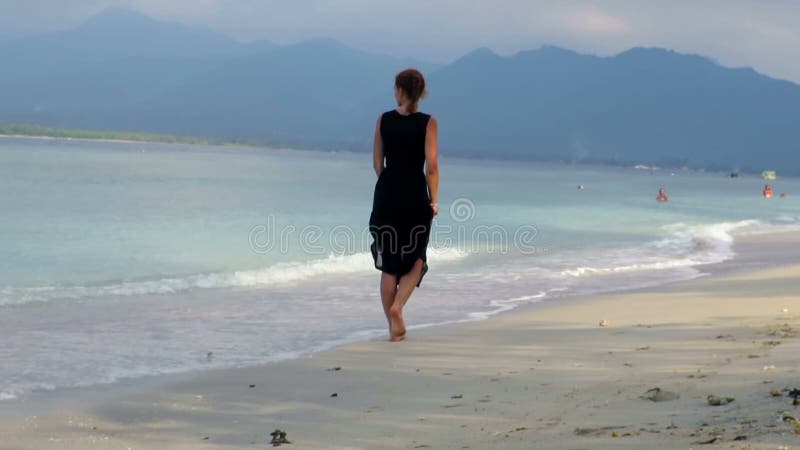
(40, 132)
(130, 137)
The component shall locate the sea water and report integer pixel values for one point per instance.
(120, 260)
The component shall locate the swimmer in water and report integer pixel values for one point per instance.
(662, 195)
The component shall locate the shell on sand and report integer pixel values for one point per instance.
(659, 395)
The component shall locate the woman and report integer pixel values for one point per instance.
(405, 197)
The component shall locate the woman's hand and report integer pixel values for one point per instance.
(435, 209)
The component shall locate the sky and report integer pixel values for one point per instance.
(763, 34)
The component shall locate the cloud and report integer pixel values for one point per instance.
(593, 21)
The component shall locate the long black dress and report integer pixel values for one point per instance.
(400, 223)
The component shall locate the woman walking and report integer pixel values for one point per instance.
(405, 197)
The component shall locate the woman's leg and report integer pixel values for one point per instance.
(388, 292)
(405, 288)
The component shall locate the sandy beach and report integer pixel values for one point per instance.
(629, 370)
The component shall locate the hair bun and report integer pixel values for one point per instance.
(412, 83)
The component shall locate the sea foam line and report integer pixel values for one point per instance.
(281, 273)
(686, 245)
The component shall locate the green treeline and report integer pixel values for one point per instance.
(40, 131)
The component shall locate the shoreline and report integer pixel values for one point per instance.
(631, 165)
(466, 357)
(734, 265)
(135, 141)
(739, 264)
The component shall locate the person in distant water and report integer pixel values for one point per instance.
(662, 195)
(405, 199)
(768, 191)
(581, 187)
(783, 194)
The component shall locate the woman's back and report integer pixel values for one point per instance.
(404, 140)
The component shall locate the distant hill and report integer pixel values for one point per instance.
(649, 105)
(118, 33)
(124, 71)
(116, 58)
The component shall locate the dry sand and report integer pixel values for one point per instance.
(545, 377)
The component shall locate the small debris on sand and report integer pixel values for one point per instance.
(626, 434)
(795, 395)
(698, 375)
(783, 330)
(604, 323)
(595, 431)
(659, 395)
(278, 438)
(714, 400)
(334, 369)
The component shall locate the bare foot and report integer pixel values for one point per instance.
(397, 327)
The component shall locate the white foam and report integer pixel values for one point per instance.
(277, 274)
(686, 245)
(503, 305)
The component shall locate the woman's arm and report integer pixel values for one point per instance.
(432, 162)
(377, 149)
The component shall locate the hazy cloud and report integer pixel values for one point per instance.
(592, 20)
(762, 34)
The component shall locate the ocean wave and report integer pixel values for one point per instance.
(281, 273)
(686, 245)
(502, 305)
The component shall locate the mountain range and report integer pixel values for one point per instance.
(121, 70)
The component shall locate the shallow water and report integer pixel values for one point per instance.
(121, 260)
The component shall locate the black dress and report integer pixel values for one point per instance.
(400, 223)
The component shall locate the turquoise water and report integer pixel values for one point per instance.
(121, 260)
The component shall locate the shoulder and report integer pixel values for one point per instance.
(425, 117)
(431, 121)
(384, 116)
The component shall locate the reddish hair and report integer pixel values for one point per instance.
(412, 83)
